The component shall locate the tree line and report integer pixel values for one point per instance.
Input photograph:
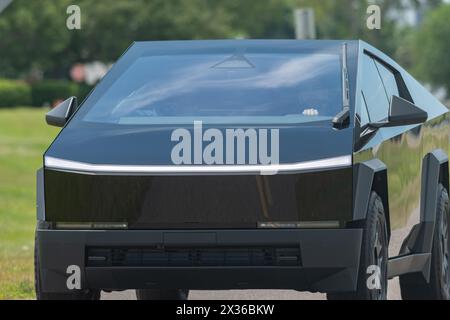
(34, 36)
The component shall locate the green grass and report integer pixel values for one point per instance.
(24, 137)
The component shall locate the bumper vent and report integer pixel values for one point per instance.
(192, 257)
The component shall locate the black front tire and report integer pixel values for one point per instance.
(374, 252)
(41, 295)
(413, 286)
(162, 294)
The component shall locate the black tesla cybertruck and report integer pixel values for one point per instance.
(309, 165)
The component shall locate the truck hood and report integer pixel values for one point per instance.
(92, 147)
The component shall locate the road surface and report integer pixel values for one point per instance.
(393, 294)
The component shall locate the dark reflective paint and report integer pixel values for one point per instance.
(198, 201)
(402, 149)
(152, 145)
(403, 155)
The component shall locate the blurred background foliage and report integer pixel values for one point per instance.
(34, 38)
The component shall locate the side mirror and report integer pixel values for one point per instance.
(402, 113)
(342, 119)
(59, 115)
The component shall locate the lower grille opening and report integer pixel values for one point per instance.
(192, 257)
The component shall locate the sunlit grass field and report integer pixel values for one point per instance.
(24, 136)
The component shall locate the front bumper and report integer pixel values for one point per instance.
(329, 259)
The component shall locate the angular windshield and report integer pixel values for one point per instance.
(222, 87)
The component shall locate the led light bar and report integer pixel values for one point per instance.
(108, 169)
(91, 225)
(299, 225)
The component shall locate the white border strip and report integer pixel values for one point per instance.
(68, 165)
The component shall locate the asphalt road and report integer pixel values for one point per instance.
(393, 294)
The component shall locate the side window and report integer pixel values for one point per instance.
(390, 84)
(373, 91)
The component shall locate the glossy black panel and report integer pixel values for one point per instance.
(152, 145)
(240, 201)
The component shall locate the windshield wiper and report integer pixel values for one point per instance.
(342, 119)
